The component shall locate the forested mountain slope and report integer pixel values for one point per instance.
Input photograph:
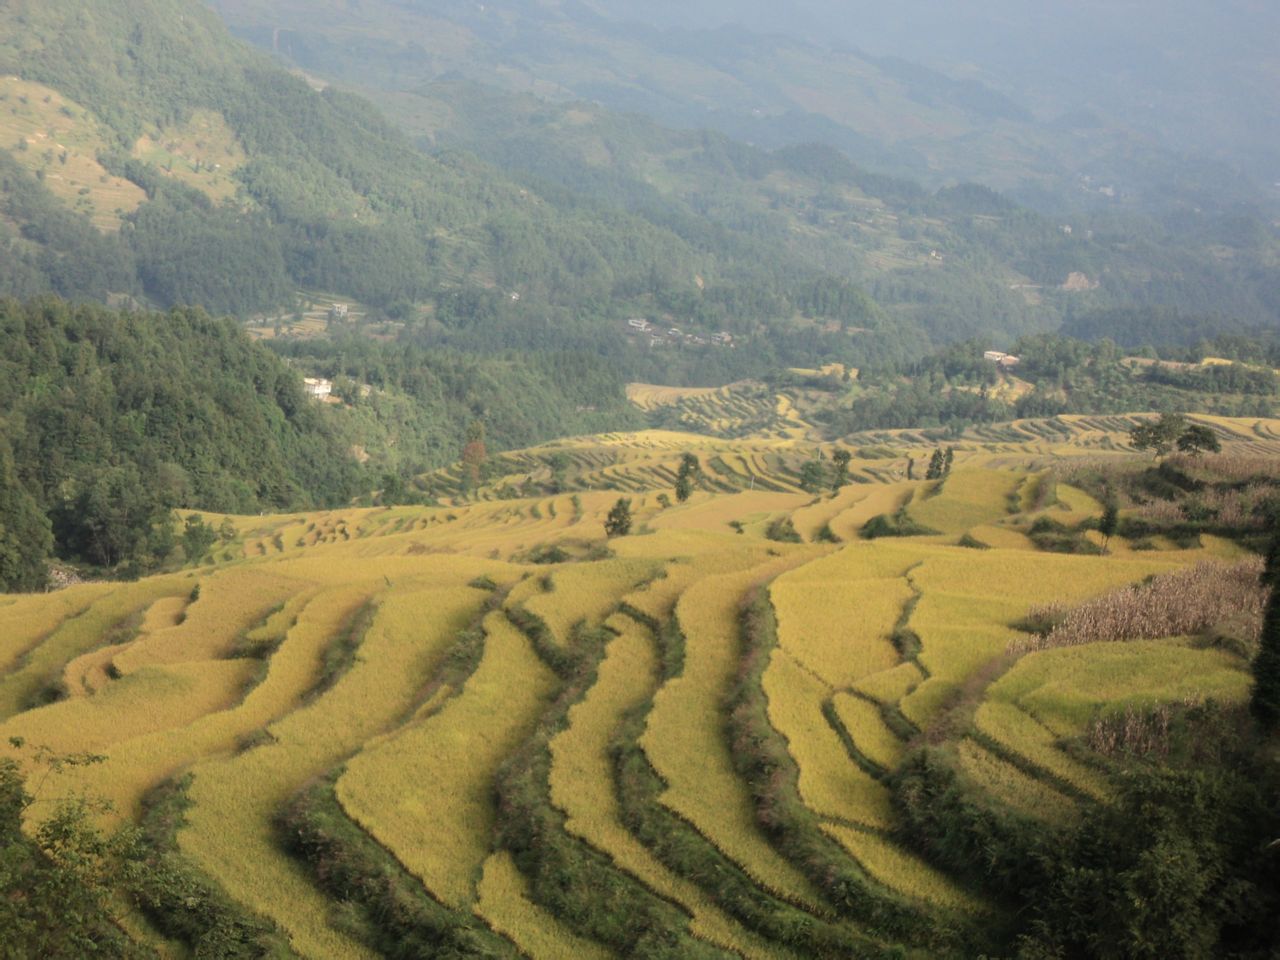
(150, 157)
(1067, 104)
(110, 420)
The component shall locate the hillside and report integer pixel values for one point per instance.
(154, 158)
(109, 420)
(1067, 106)
(954, 262)
(755, 726)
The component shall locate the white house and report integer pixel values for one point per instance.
(316, 388)
(994, 356)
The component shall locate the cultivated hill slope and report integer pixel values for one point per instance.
(488, 731)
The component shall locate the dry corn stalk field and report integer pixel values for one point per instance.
(444, 683)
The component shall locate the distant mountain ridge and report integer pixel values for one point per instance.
(692, 67)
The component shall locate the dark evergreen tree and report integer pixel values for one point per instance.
(840, 477)
(690, 468)
(1108, 522)
(618, 522)
(937, 463)
(25, 534)
(1264, 701)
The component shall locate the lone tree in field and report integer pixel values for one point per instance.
(689, 470)
(840, 478)
(618, 523)
(812, 476)
(1199, 439)
(948, 458)
(1159, 436)
(1108, 523)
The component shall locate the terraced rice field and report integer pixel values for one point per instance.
(389, 652)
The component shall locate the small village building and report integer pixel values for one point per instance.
(317, 388)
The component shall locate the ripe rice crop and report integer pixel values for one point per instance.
(503, 902)
(1011, 786)
(44, 664)
(231, 601)
(882, 499)
(862, 721)
(835, 615)
(685, 742)
(1174, 604)
(890, 686)
(901, 871)
(587, 592)
(968, 497)
(582, 786)
(427, 792)
(149, 701)
(1066, 687)
(26, 621)
(831, 784)
(1022, 734)
(971, 597)
(230, 828)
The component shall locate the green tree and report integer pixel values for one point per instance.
(948, 459)
(1198, 438)
(25, 535)
(690, 468)
(1264, 701)
(197, 537)
(840, 477)
(618, 522)
(812, 476)
(1160, 435)
(55, 884)
(937, 463)
(1108, 522)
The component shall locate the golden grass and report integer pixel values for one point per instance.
(587, 592)
(969, 497)
(45, 663)
(862, 721)
(1064, 688)
(902, 871)
(25, 621)
(427, 793)
(582, 786)
(1011, 786)
(685, 741)
(503, 902)
(230, 830)
(1022, 734)
(830, 783)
